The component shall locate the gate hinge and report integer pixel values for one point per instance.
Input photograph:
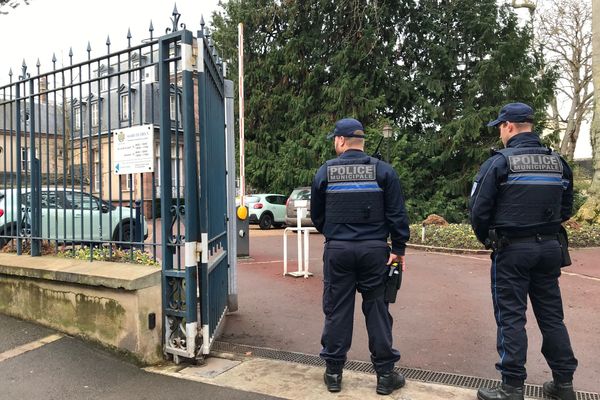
(198, 251)
(202, 249)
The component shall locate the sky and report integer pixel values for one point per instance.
(45, 27)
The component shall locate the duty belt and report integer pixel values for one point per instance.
(532, 239)
(497, 241)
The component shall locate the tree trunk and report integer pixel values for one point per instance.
(590, 211)
(595, 132)
(555, 116)
(567, 147)
(573, 142)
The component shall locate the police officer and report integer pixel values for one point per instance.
(357, 202)
(520, 196)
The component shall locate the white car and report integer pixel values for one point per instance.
(69, 216)
(266, 209)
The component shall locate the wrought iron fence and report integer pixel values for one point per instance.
(68, 138)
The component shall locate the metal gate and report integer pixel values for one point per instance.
(213, 191)
(195, 295)
(61, 181)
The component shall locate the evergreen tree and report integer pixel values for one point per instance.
(435, 69)
(465, 59)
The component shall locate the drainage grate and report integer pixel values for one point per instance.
(470, 382)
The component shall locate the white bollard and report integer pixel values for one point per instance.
(302, 235)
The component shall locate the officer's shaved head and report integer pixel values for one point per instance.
(524, 126)
(355, 142)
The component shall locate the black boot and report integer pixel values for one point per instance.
(559, 391)
(333, 381)
(388, 382)
(502, 392)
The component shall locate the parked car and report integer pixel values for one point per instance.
(69, 216)
(266, 210)
(300, 198)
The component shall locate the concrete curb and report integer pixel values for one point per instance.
(471, 251)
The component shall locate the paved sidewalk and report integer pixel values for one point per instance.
(40, 363)
(301, 382)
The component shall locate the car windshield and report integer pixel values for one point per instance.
(301, 194)
(251, 199)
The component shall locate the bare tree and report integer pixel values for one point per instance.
(595, 133)
(7, 5)
(564, 32)
(590, 210)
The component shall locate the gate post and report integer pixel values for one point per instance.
(179, 284)
(191, 190)
(19, 162)
(168, 250)
(232, 298)
(36, 203)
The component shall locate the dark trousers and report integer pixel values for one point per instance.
(349, 266)
(518, 270)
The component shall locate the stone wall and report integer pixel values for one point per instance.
(109, 303)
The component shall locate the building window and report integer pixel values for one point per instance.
(173, 107)
(24, 158)
(25, 162)
(97, 171)
(129, 181)
(95, 114)
(124, 106)
(77, 117)
(177, 175)
(135, 73)
(157, 169)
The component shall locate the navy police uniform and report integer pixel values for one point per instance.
(519, 199)
(357, 202)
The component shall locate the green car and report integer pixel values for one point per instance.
(69, 216)
(266, 210)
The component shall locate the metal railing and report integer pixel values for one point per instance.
(60, 187)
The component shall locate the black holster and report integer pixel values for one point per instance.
(563, 239)
(495, 241)
(392, 284)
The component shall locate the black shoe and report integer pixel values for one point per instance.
(559, 391)
(388, 382)
(502, 392)
(333, 381)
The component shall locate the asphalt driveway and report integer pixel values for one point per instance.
(443, 318)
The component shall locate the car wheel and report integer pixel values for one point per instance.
(123, 233)
(8, 230)
(265, 222)
(11, 230)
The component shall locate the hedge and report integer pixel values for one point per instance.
(461, 236)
